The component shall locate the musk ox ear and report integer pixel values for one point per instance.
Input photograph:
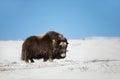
(54, 45)
(53, 42)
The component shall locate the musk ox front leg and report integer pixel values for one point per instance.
(50, 60)
(48, 57)
(45, 58)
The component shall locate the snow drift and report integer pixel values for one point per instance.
(88, 58)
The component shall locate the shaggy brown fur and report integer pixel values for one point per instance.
(46, 47)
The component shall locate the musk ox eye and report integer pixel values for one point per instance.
(63, 44)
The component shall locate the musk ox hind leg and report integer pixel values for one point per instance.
(24, 56)
(29, 59)
(32, 61)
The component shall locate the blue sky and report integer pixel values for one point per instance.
(72, 18)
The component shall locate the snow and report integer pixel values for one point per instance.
(88, 58)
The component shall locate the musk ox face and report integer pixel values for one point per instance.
(49, 46)
(61, 49)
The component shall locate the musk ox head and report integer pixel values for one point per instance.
(60, 49)
(57, 39)
(60, 44)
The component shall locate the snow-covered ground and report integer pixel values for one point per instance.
(88, 58)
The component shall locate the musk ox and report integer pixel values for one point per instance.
(51, 45)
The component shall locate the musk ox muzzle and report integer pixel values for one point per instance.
(50, 46)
